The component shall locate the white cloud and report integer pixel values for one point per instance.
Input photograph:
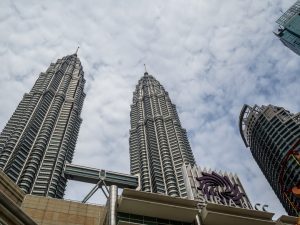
(211, 56)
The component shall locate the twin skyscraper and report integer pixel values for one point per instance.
(158, 144)
(40, 137)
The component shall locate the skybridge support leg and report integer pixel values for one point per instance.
(90, 194)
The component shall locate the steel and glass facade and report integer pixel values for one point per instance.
(273, 134)
(158, 144)
(289, 28)
(40, 136)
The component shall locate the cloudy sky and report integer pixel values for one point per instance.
(211, 56)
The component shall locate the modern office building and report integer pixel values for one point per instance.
(289, 28)
(40, 136)
(273, 133)
(158, 144)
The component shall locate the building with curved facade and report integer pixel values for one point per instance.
(273, 135)
(159, 146)
(40, 136)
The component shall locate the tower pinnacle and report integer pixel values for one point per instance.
(77, 50)
(146, 73)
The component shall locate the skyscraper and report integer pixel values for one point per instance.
(41, 134)
(273, 133)
(289, 28)
(158, 144)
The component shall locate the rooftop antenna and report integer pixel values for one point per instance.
(77, 50)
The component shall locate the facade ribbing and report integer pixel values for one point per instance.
(41, 134)
(271, 133)
(158, 144)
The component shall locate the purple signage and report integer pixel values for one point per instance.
(220, 188)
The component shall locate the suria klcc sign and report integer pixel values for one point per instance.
(210, 186)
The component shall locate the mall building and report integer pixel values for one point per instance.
(131, 207)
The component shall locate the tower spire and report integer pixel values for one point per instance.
(146, 73)
(77, 50)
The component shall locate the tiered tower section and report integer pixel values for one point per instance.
(273, 134)
(40, 136)
(158, 144)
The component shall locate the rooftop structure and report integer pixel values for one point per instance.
(289, 28)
